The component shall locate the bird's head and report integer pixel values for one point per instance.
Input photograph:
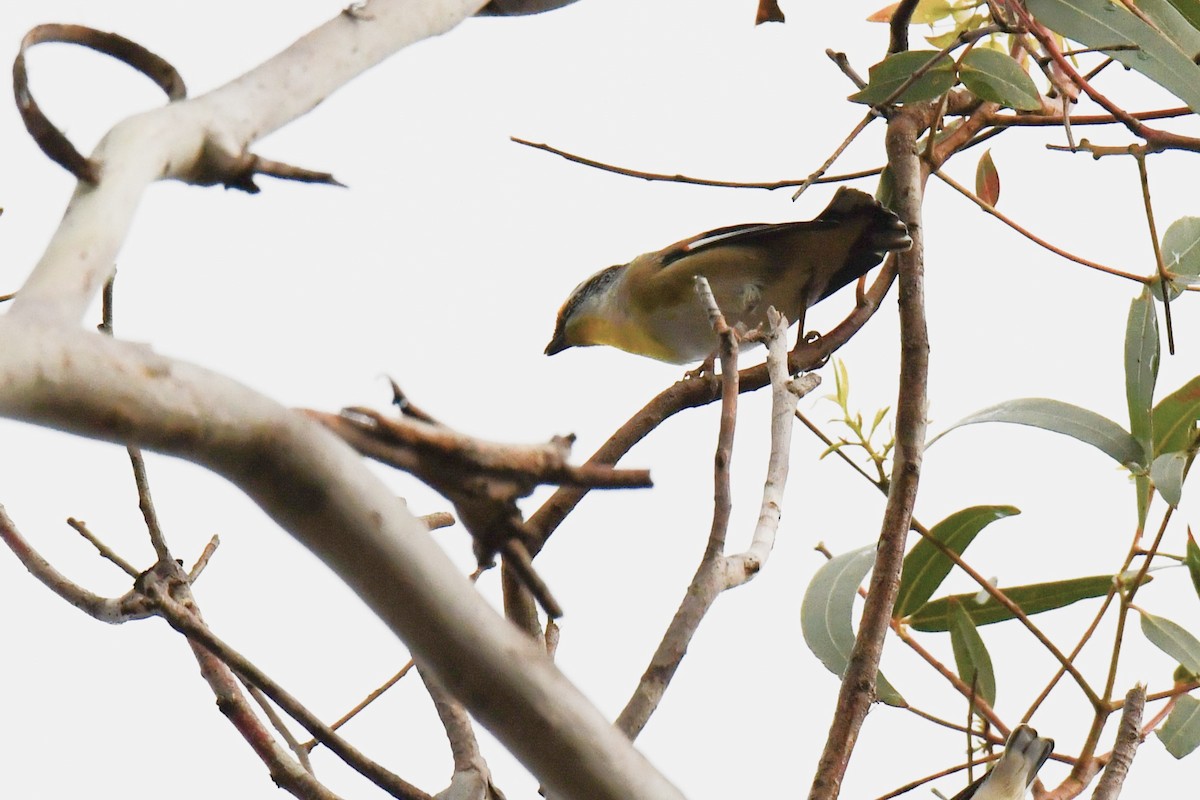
(590, 313)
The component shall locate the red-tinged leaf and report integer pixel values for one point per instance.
(987, 179)
(884, 14)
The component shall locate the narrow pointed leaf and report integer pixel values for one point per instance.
(992, 75)
(1181, 732)
(1174, 640)
(971, 656)
(894, 71)
(925, 567)
(1167, 474)
(1192, 559)
(826, 614)
(1142, 485)
(1102, 23)
(1032, 599)
(1141, 368)
(1175, 418)
(1054, 415)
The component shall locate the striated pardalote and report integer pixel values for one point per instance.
(649, 306)
(1015, 770)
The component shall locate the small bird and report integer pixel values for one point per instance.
(1014, 771)
(649, 306)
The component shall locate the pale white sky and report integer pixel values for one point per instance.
(442, 266)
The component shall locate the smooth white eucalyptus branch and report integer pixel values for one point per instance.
(718, 572)
(785, 395)
(179, 140)
(55, 374)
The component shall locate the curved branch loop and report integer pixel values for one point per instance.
(53, 142)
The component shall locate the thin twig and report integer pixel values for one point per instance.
(113, 611)
(205, 556)
(989, 208)
(183, 620)
(659, 176)
(264, 703)
(366, 701)
(1139, 155)
(104, 550)
(166, 587)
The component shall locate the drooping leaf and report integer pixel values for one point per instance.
(1031, 599)
(996, 76)
(1167, 474)
(987, 179)
(1102, 23)
(889, 75)
(925, 567)
(1141, 368)
(826, 614)
(1054, 415)
(971, 656)
(1174, 640)
(1175, 418)
(1181, 732)
(1191, 558)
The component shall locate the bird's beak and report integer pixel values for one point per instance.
(557, 344)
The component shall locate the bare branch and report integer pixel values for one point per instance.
(113, 611)
(55, 375)
(716, 571)
(1129, 736)
(472, 780)
(858, 683)
(104, 550)
(185, 620)
(166, 585)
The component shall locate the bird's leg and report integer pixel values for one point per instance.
(707, 367)
(803, 338)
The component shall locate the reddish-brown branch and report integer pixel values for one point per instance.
(858, 682)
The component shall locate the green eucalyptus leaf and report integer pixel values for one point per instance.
(1167, 474)
(996, 76)
(889, 75)
(1172, 639)
(1102, 23)
(1141, 368)
(1054, 415)
(1191, 558)
(925, 567)
(1181, 732)
(1175, 418)
(1170, 17)
(971, 656)
(826, 614)
(1031, 599)
(1189, 10)
(1181, 255)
